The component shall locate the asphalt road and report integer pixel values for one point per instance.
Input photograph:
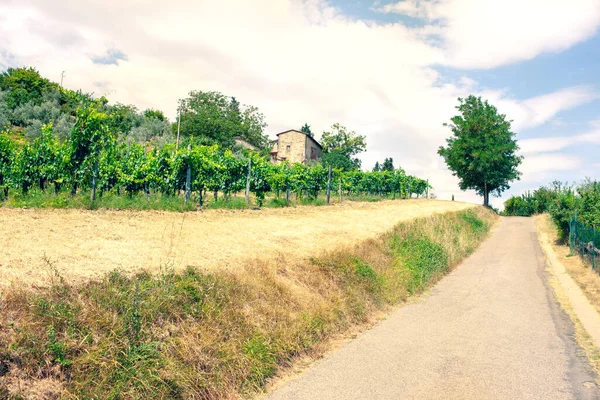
(490, 330)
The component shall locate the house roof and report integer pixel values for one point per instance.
(304, 133)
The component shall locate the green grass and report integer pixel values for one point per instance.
(193, 334)
(233, 203)
(37, 198)
(109, 200)
(424, 258)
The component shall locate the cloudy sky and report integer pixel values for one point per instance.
(391, 70)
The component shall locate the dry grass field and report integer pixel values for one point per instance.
(86, 244)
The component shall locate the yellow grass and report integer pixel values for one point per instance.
(87, 244)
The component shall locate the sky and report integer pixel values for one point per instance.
(390, 70)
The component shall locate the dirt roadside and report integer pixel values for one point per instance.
(84, 244)
(576, 288)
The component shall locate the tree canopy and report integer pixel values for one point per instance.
(388, 164)
(24, 85)
(213, 118)
(340, 146)
(482, 150)
(306, 129)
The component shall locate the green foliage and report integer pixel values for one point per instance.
(213, 118)
(262, 358)
(562, 201)
(306, 129)
(388, 164)
(24, 85)
(476, 225)
(7, 158)
(340, 146)
(364, 270)
(155, 114)
(424, 258)
(589, 211)
(482, 150)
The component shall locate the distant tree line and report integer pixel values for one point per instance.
(562, 201)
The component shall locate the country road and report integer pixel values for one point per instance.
(492, 329)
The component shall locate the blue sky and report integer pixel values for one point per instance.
(390, 70)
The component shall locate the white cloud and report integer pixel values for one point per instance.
(538, 110)
(490, 33)
(298, 61)
(550, 144)
(536, 167)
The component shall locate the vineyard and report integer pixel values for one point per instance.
(93, 160)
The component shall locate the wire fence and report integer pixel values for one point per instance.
(585, 240)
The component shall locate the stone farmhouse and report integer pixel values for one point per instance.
(295, 146)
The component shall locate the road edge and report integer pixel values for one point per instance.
(574, 302)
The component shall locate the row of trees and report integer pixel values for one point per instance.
(562, 201)
(92, 157)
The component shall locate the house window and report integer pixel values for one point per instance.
(313, 153)
(288, 147)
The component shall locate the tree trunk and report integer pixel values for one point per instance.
(486, 195)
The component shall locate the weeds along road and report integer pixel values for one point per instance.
(83, 244)
(492, 329)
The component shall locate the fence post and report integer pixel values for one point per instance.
(147, 191)
(329, 184)
(593, 250)
(248, 181)
(340, 189)
(188, 183)
(94, 181)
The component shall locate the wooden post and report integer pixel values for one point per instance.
(340, 189)
(248, 181)
(188, 179)
(188, 183)
(329, 185)
(427, 190)
(147, 191)
(287, 196)
(94, 181)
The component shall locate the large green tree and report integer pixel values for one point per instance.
(340, 146)
(24, 85)
(213, 118)
(482, 152)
